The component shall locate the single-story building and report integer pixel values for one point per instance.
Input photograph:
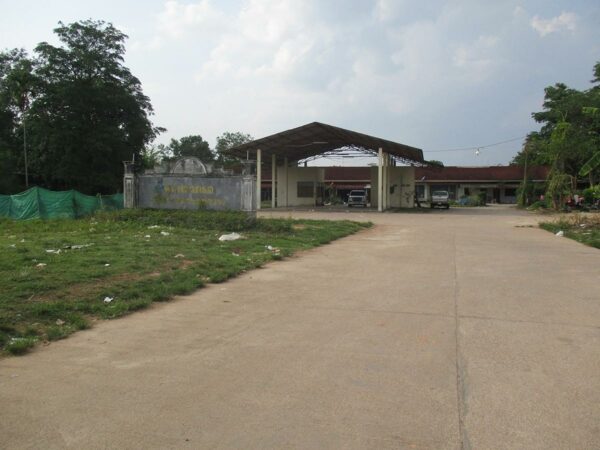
(499, 183)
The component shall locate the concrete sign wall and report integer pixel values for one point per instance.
(195, 192)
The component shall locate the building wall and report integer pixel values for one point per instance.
(401, 187)
(287, 189)
(195, 192)
(459, 190)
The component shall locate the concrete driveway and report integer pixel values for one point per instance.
(450, 329)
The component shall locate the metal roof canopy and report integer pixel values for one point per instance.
(318, 139)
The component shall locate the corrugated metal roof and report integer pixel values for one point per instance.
(317, 138)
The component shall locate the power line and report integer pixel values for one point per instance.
(461, 149)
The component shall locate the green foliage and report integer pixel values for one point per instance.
(47, 296)
(83, 111)
(20, 345)
(191, 146)
(153, 155)
(590, 165)
(473, 200)
(435, 163)
(570, 134)
(229, 140)
(591, 194)
(582, 228)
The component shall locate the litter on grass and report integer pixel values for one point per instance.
(60, 322)
(560, 233)
(51, 250)
(179, 255)
(229, 237)
(165, 233)
(40, 265)
(108, 299)
(76, 246)
(151, 227)
(106, 265)
(147, 236)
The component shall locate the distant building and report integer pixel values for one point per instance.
(499, 183)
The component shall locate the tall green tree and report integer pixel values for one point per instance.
(192, 145)
(229, 140)
(87, 113)
(17, 87)
(568, 139)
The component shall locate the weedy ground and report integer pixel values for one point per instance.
(57, 276)
(584, 228)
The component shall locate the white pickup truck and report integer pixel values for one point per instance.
(440, 198)
(357, 197)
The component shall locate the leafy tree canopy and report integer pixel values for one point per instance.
(229, 140)
(570, 130)
(84, 112)
(192, 145)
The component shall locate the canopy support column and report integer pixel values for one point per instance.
(380, 181)
(273, 181)
(258, 177)
(285, 170)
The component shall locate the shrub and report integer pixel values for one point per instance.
(204, 219)
(591, 194)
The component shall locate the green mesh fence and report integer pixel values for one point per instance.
(39, 203)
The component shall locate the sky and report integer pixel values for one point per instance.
(436, 75)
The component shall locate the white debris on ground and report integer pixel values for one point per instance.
(230, 237)
(107, 300)
(106, 265)
(40, 265)
(179, 255)
(151, 227)
(51, 250)
(77, 246)
(165, 233)
(60, 322)
(272, 249)
(147, 236)
(560, 233)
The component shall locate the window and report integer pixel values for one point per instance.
(510, 192)
(467, 192)
(305, 189)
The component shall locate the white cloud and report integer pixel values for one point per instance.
(177, 18)
(565, 21)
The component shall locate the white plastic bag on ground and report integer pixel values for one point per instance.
(230, 237)
(560, 233)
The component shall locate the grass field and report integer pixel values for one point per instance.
(60, 275)
(584, 228)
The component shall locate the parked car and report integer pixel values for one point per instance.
(440, 198)
(357, 197)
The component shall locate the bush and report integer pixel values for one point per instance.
(472, 200)
(591, 194)
(540, 204)
(206, 219)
